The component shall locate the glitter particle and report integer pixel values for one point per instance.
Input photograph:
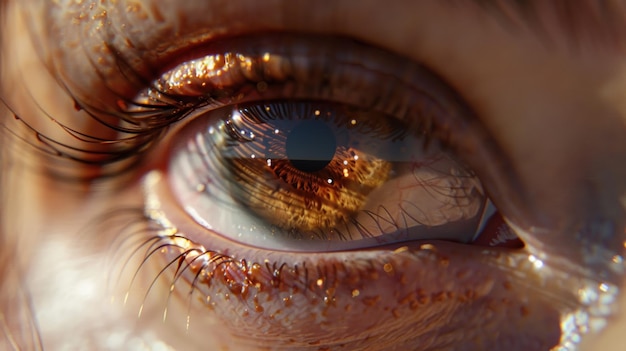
(388, 268)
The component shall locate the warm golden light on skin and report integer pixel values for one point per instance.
(568, 178)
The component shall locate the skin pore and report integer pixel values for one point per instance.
(544, 130)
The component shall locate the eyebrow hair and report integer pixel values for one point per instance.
(581, 22)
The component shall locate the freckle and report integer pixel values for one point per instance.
(507, 285)
(422, 299)
(245, 313)
(439, 296)
(348, 308)
(461, 274)
(444, 261)
(258, 308)
(287, 301)
(413, 305)
(324, 348)
(524, 312)
(403, 279)
(317, 342)
(396, 313)
(371, 301)
(408, 298)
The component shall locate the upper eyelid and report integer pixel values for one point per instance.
(110, 44)
(142, 36)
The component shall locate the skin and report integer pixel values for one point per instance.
(550, 107)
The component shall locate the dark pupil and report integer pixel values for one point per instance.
(311, 145)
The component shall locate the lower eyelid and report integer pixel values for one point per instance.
(434, 284)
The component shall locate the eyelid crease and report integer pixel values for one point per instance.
(281, 66)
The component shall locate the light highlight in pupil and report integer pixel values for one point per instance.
(311, 145)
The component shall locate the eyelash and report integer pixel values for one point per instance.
(140, 122)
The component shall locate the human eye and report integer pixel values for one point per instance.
(204, 218)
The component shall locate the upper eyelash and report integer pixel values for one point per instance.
(140, 121)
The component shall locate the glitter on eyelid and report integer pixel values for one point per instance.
(429, 247)
(388, 268)
(401, 249)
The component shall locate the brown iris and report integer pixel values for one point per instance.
(302, 170)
